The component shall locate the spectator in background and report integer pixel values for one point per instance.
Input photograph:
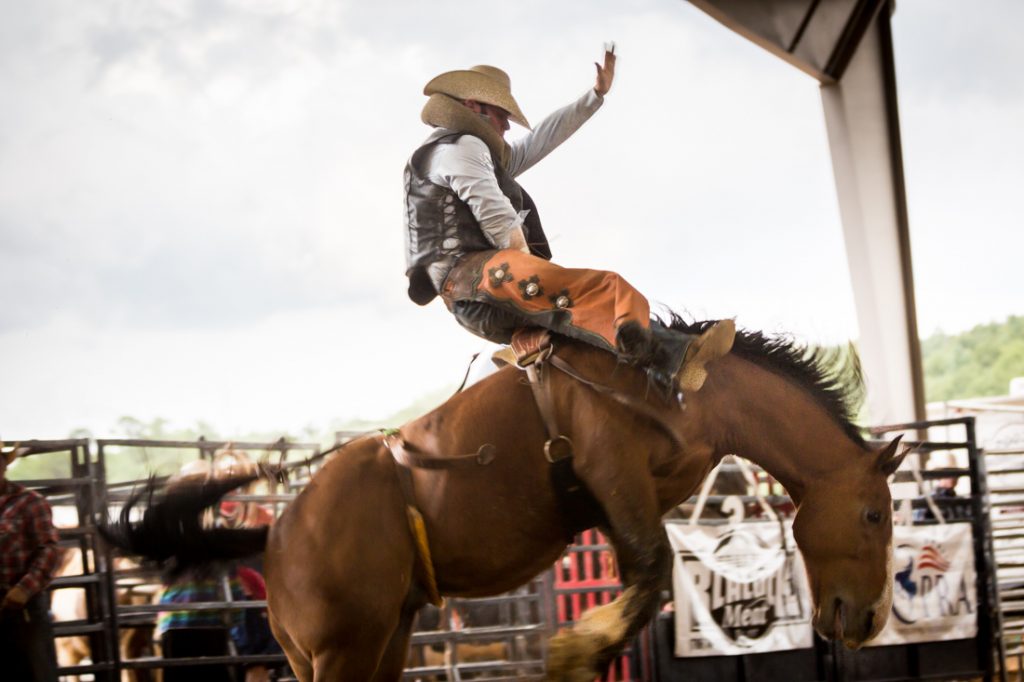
(946, 486)
(28, 560)
(254, 636)
(944, 489)
(232, 513)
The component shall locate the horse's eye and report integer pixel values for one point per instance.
(873, 516)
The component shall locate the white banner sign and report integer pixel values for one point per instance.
(738, 590)
(934, 594)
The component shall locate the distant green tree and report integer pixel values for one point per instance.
(418, 407)
(136, 463)
(125, 463)
(976, 363)
(43, 466)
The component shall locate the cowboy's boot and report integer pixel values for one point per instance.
(665, 357)
(674, 361)
(634, 344)
(679, 360)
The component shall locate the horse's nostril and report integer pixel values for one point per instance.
(871, 620)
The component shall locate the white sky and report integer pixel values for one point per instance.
(201, 201)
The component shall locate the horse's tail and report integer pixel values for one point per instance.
(170, 532)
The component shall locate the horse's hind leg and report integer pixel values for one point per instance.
(393, 662)
(368, 648)
(645, 560)
(300, 664)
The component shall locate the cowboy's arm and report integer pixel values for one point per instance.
(552, 131)
(43, 536)
(467, 168)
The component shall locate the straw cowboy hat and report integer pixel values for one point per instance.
(486, 84)
(194, 471)
(14, 452)
(231, 462)
(942, 459)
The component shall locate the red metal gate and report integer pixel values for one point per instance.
(587, 576)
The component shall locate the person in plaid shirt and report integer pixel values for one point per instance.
(28, 559)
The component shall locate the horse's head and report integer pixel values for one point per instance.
(844, 530)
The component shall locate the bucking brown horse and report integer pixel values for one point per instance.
(345, 574)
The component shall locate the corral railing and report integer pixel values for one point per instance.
(938, 657)
(1006, 476)
(504, 638)
(138, 616)
(76, 497)
(1000, 433)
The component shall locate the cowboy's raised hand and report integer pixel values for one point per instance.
(606, 73)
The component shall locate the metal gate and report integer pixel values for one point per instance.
(77, 500)
(1000, 432)
(500, 638)
(585, 577)
(511, 630)
(1006, 475)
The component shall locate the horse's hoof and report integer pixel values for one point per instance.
(570, 658)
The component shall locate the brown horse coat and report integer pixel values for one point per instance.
(493, 527)
(341, 565)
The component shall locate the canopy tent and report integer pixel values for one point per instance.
(847, 46)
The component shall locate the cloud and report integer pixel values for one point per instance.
(945, 51)
(289, 371)
(193, 174)
(959, 109)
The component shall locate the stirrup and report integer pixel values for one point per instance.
(715, 342)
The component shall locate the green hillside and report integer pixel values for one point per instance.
(978, 362)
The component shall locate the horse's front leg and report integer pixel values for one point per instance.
(645, 564)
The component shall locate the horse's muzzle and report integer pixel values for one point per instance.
(840, 622)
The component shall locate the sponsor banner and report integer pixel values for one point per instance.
(934, 594)
(738, 589)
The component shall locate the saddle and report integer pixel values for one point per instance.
(528, 345)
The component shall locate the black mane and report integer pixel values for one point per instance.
(832, 375)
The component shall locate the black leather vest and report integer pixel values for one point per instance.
(441, 228)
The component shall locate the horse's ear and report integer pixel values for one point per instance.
(887, 460)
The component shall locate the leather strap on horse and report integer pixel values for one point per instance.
(408, 455)
(532, 346)
(635, 404)
(580, 508)
(465, 377)
(419, 534)
(417, 527)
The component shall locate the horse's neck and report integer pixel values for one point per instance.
(751, 412)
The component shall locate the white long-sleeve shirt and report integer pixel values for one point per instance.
(466, 167)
